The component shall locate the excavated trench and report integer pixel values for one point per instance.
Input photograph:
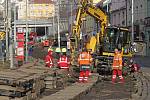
(105, 90)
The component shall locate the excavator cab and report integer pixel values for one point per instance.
(116, 37)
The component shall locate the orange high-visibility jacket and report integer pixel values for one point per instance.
(84, 58)
(117, 61)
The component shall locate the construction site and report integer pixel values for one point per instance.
(74, 50)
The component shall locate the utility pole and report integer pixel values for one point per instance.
(6, 28)
(54, 20)
(71, 13)
(58, 23)
(26, 52)
(15, 26)
(132, 21)
(54, 24)
(10, 37)
(126, 13)
(107, 7)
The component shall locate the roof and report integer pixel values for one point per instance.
(41, 1)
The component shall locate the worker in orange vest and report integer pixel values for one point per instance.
(84, 61)
(49, 59)
(117, 66)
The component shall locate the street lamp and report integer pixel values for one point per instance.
(132, 21)
(10, 36)
(6, 28)
(26, 52)
(58, 24)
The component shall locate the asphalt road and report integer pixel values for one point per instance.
(143, 61)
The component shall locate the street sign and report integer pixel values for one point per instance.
(20, 30)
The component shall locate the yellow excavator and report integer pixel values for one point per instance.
(105, 41)
(87, 8)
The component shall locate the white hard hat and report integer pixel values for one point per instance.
(64, 50)
(58, 50)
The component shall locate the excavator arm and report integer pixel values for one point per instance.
(87, 8)
(77, 24)
(99, 15)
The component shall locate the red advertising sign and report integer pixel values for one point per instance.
(20, 46)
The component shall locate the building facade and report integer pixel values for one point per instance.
(118, 13)
(147, 28)
(121, 15)
(140, 13)
(36, 9)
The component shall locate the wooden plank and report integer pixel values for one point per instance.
(49, 82)
(49, 86)
(4, 98)
(6, 87)
(49, 78)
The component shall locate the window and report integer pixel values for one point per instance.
(141, 20)
(119, 19)
(141, 6)
(114, 19)
(123, 22)
(129, 9)
(129, 22)
(123, 14)
(137, 21)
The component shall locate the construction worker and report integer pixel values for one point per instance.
(49, 59)
(117, 66)
(63, 61)
(84, 61)
(31, 50)
(30, 53)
